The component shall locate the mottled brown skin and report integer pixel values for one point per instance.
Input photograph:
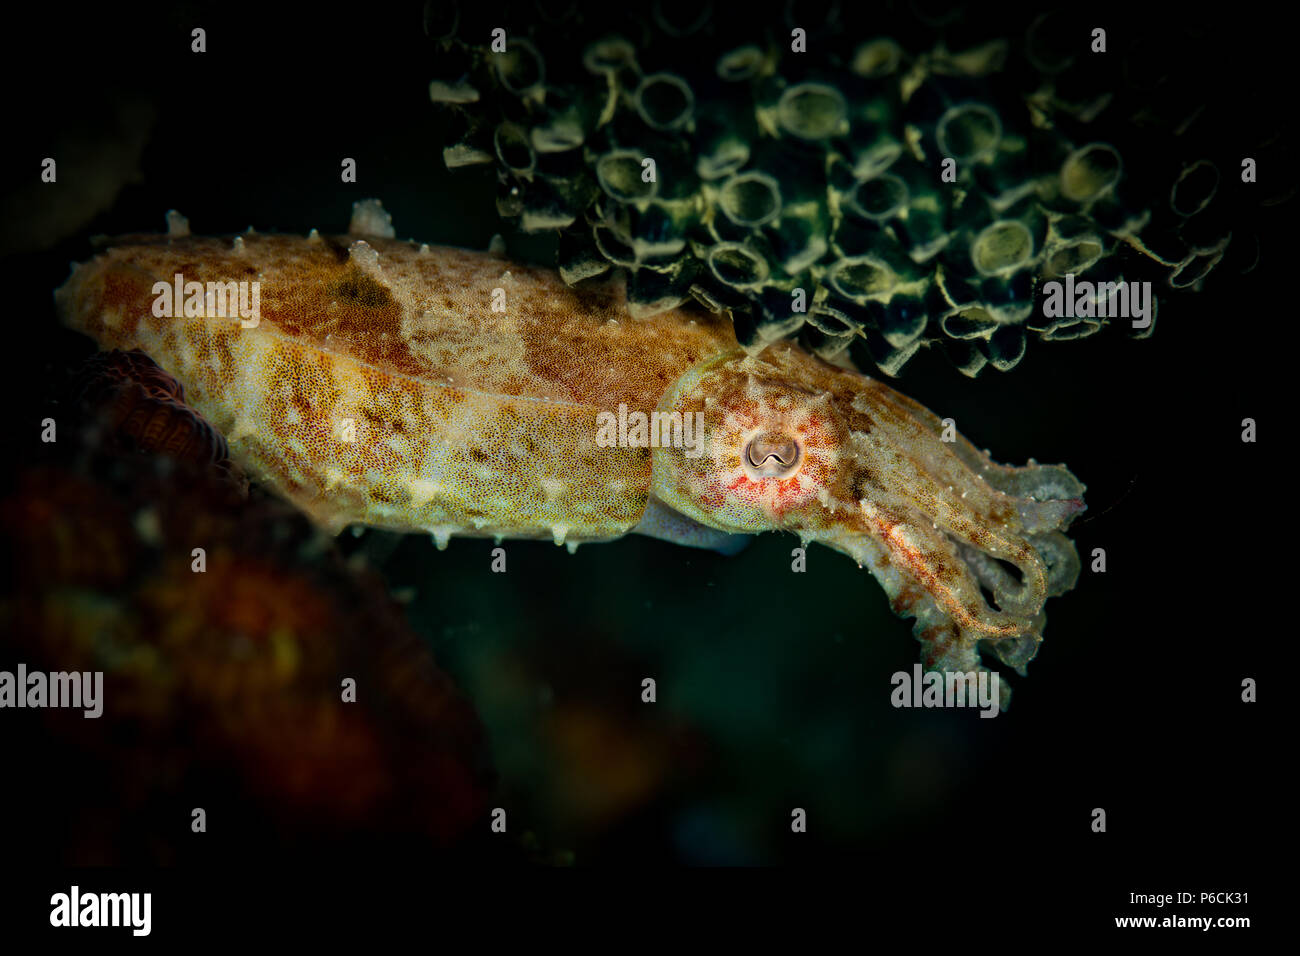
(467, 421)
(470, 420)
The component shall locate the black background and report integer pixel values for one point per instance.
(1134, 703)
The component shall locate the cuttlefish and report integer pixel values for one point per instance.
(388, 384)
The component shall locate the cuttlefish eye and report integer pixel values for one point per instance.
(772, 456)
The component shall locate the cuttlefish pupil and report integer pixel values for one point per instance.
(772, 456)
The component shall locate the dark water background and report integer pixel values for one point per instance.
(773, 686)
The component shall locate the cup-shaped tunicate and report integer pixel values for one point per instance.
(1194, 188)
(872, 348)
(776, 319)
(664, 101)
(441, 20)
(520, 69)
(723, 142)
(558, 198)
(724, 157)
(750, 199)
(828, 331)
(1074, 256)
(857, 277)
(743, 320)
(1242, 254)
(742, 63)
(853, 236)
(561, 134)
(471, 141)
(545, 210)
(1067, 329)
(577, 256)
(840, 180)
(772, 328)
(718, 228)
(831, 320)
(880, 197)
(1008, 299)
(901, 320)
(967, 220)
(878, 57)
(658, 229)
(1191, 273)
(1117, 215)
(1160, 241)
(979, 60)
(738, 265)
(1149, 330)
(966, 355)
(874, 158)
(681, 18)
(1052, 41)
(1002, 248)
(1006, 347)
(651, 292)
(924, 105)
(1072, 245)
(922, 233)
(969, 133)
(937, 13)
(456, 92)
(1209, 232)
(619, 173)
(972, 322)
(818, 18)
(609, 55)
(556, 11)
(1079, 95)
(719, 297)
(567, 166)
(617, 248)
(510, 199)
(1012, 178)
(513, 149)
(823, 344)
(468, 152)
(799, 238)
(1106, 279)
(812, 111)
(926, 229)
(953, 291)
(1090, 172)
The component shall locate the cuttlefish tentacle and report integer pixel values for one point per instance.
(946, 644)
(962, 508)
(418, 388)
(929, 557)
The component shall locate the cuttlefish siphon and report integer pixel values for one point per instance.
(415, 388)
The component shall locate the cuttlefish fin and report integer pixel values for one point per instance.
(666, 524)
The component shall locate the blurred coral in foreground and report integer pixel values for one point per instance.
(223, 687)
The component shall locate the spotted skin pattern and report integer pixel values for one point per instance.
(381, 387)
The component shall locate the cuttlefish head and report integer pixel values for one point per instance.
(775, 450)
(969, 547)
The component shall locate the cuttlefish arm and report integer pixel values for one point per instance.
(421, 388)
